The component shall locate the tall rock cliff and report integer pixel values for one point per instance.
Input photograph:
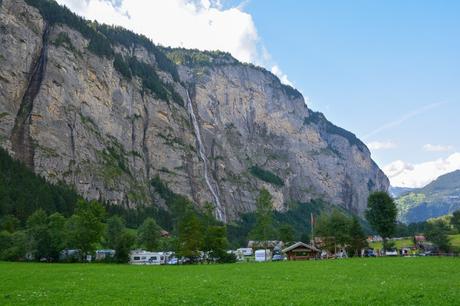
(107, 111)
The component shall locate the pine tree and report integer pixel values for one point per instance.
(39, 239)
(115, 228)
(56, 232)
(263, 229)
(149, 234)
(358, 239)
(190, 237)
(455, 221)
(286, 233)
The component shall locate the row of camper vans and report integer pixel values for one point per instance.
(148, 258)
(141, 257)
(246, 254)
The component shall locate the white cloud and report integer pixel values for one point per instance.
(402, 174)
(281, 75)
(437, 148)
(381, 145)
(200, 24)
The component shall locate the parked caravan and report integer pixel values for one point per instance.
(147, 258)
(104, 254)
(245, 251)
(263, 255)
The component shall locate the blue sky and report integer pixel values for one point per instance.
(369, 63)
(389, 71)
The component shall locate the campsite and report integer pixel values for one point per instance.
(229, 152)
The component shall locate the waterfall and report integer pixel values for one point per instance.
(21, 141)
(202, 154)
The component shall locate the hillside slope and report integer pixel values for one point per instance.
(440, 197)
(107, 111)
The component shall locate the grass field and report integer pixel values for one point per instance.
(398, 244)
(454, 240)
(372, 281)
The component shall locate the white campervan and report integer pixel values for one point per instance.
(147, 258)
(245, 251)
(263, 255)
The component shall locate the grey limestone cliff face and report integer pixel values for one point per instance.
(72, 117)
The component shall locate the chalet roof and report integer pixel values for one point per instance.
(300, 244)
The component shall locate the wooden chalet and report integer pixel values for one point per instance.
(301, 251)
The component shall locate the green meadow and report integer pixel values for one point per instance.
(408, 242)
(370, 281)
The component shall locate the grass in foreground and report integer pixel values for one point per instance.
(414, 281)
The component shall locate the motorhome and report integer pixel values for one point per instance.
(245, 251)
(140, 257)
(104, 254)
(263, 255)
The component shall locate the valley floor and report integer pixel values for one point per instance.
(372, 281)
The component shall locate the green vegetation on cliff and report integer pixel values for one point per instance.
(22, 192)
(103, 38)
(320, 120)
(266, 176)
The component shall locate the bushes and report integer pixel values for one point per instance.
(266, 176)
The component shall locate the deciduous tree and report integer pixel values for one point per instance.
(438, 233)
(85, 226)
(334, 230)
(381, 213)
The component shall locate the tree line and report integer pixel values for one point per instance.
(45, 236)
(30, 205)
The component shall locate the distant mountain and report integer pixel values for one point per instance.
(438, 198)
(396, 192)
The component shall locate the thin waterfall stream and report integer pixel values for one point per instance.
(202, 153)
